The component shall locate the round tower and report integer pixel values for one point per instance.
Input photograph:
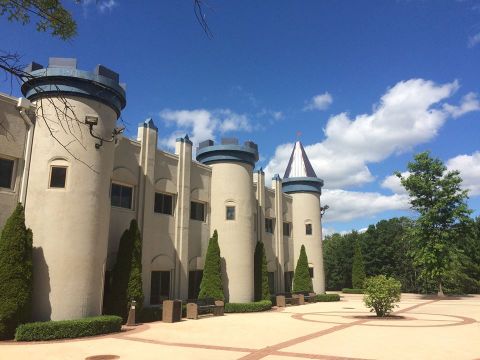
(301, 182)
(68, 196)
(232, 211)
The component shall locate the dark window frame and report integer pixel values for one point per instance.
(11, 163)
(308, 229)
(55, 179)
(227, 217)
(269, 226)
(287, 225)
(162, 207)
(196, 213)
(123, 203)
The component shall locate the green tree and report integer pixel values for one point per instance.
(262, 291)
(127, 273)
(50, 15)
(211, 285)
(301, 279)
(358, 268)
(436, 195)
(381, 293)
(16, 274)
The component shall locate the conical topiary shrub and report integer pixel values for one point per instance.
(127, 273)
(358, 268)
(302, 282)
(211, 285)
(16, 274)
(261, 290)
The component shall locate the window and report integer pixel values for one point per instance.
(159, 287)
(286, 229)
(269, 225)
(163, 204)
(58, 176)
(121, 196)
(288, 281)
(230, 213)
(6, 173)
(197, 211)
(194, 280)
(310, 270)
(271, 282)
(308, 229)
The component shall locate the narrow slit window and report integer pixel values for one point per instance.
(197, 211)
(269, 225)
(308, 229)
(58, 177)
(286, 229)
(230, 213)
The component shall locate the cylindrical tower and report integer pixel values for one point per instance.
(301, 182)
(68, 196)
(232, 211)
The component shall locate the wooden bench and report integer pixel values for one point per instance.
(284, 299)
(204, 306)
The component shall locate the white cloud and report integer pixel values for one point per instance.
(408, 114)
(474, 40)
(349, 205)
(202, 124)
(468, 103)
(107, 5)
(319, 102)
(469, 167)
(392, 182)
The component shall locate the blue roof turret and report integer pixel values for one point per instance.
(299, 175)
(62, 77)
(229, 150)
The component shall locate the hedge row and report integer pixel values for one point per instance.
(352, 291)
(66, 329)
(256, 306)
(327, 297)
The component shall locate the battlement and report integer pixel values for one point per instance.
(228, 150)
(61, 77)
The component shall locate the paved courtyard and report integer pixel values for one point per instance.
(426, 328)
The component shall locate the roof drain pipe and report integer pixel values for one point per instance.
(23, 106)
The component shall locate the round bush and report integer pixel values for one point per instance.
(256, 306)
(381, 293)
(67, 329)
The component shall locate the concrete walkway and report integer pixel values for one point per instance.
(426, 328)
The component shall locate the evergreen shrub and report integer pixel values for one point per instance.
(67, 329)
(262, 305)
(381, 294)
(211, 285)
(301, 279)
(327, 297)
(16, 274)
(358, 268)
(262, 291)
(127, 274)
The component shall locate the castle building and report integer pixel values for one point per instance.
(82, 183)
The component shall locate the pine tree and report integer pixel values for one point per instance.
(211, 285)
(358, 268)
(127, 273)
(16, 274)
(302, 282)
(262, 291)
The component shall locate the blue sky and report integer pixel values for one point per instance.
(367, 83)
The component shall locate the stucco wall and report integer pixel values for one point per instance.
(12, 143)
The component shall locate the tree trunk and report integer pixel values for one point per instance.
(440, 290)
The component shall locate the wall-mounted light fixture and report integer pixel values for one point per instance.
(91, 121)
